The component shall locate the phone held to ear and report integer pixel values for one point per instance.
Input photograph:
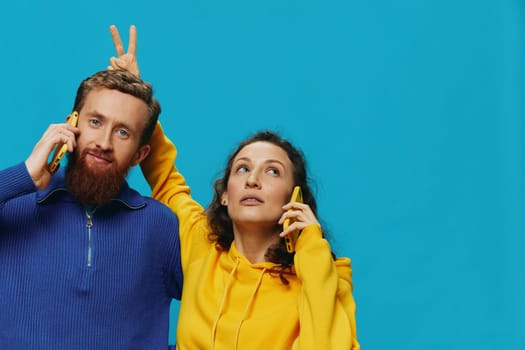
(290, 239)
(61, 149)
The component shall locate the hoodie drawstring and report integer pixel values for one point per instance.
(248, 306)
(223, 301)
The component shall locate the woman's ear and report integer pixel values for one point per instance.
(224, 199)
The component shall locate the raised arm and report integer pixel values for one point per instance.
(167, 184)
(169, 187)
(326, 304)
(34, 174)
(37, 162)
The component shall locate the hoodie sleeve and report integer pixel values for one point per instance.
(326, 304)
(169, 187)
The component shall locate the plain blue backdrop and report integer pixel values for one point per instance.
(410, 114)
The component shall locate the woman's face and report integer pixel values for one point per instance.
(260, 183)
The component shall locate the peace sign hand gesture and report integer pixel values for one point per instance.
(125, 60)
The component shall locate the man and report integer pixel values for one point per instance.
(85, 261)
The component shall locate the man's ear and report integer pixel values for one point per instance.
(141, 153)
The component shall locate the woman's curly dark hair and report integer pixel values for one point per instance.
(221, 223)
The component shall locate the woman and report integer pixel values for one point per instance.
(242, 289)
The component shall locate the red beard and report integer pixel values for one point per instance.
(93, 186)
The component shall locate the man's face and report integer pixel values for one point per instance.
(111, 125)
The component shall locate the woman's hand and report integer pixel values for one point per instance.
(300, 215)
(125, 60)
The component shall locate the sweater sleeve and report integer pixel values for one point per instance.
(326, 304)
(169, 187)
(15, 181)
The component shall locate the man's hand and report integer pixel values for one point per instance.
(37, 161)
(125, 60)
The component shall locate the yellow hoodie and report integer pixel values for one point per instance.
(230, 303)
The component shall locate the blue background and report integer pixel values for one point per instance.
(410, 114)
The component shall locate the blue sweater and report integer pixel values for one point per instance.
(68, 281)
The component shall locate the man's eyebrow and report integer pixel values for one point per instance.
(96, 114)
(125, 126)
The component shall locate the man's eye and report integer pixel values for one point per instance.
(123, 133)
(95, 121)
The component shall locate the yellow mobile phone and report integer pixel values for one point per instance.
(297, 196)
(61, 149)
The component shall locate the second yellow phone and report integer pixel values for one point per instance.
(297, 196)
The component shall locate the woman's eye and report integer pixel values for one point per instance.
(242, 169)
(95, 122)
(273, 171)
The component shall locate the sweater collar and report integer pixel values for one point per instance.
(127, 196)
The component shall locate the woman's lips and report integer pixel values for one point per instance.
(251, 200)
